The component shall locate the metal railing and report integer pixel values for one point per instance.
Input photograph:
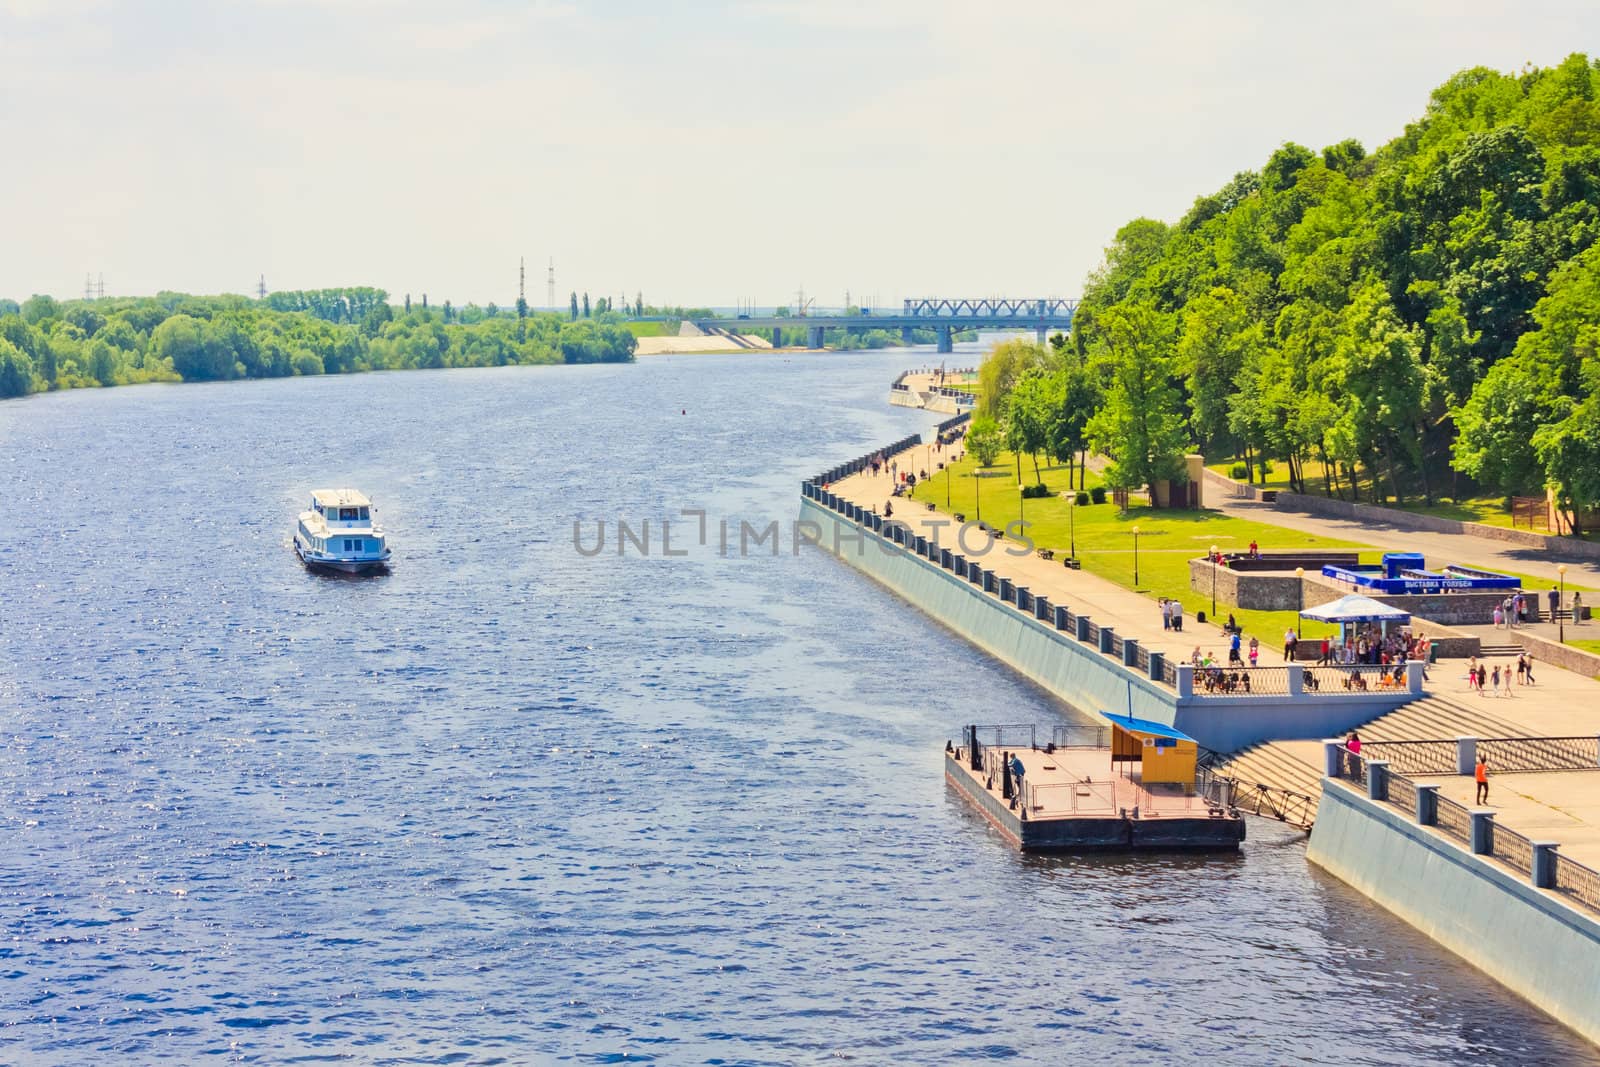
(1169, 673)
(1453, 820)
(1116, 645)
(1402, 794)
(1414, 757)
(1065, 798)
(1577, 881)
(1509, 755)
(1338, 680)
(1241, 681)
(1094, 633)
(1512, 849)
(1080, 736)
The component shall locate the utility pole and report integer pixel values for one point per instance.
(100, 288)
(550, 285)
(88, 287)
(261, 287)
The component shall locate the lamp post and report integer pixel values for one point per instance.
(1561, 598)
(1300, 596)
(947, 486)
(1136, 558)
(1072, 521)
(1214, 583)
(977, 489)
(1022, 507)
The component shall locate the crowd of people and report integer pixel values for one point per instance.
(1496, 681)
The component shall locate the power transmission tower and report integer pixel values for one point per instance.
(550, 285)
(261, 288)
(522, 281)
(100, 288)
(88, 287)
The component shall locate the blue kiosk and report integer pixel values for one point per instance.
(1406, 572)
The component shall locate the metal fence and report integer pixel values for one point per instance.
(1530, 754)
(1066, 798)
(1414, 757)
(1577, 881)
(1080, 736)
(1331, 681)
(1512, 849)
(1242, 681)
(1453, 820)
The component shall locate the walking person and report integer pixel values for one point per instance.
(1499, 616)
(1530, 668)
(1472, 673)
(1481, 773)
(1233, 650)
(1177, 616)
(1495, 678)
(1522, 670)
(1505, 678)
(1555, 602)
(1290, 638)
(1255, 651)
(1166, 614)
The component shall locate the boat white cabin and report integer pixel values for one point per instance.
(338, 533)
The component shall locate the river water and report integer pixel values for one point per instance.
(516, 804)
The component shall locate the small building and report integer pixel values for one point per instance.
(1165, 755)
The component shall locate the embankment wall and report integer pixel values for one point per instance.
(1523, 937)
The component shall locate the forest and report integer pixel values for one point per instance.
(49, 344)
(1418, 322)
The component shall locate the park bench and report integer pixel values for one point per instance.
(1045, 553)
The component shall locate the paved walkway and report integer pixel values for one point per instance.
(1562, 806)
(1439, 548)
(1130, 614)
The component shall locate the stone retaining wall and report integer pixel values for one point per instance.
(1527, 939)
(1564, 656)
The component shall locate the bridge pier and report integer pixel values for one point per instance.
(814, 337)
(905, 336)
(777, 337)
(946, 342)
(1042, 335)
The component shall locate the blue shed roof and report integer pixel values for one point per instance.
(1145, 726)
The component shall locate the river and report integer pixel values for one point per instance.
(517, 804)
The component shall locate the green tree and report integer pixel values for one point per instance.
(574, 314)
(1141, 426)
(16, 371)
(984, 440)
(1001, 369)
(40, 308)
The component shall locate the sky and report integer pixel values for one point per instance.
(699, 153)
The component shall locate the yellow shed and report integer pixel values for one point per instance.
(1163, 753)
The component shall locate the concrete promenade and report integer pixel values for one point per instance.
(1128, 613)
(1561, 704)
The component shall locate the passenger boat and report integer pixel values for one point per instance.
(338, 534)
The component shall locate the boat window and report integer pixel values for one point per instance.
(349, 514)
(364, 513)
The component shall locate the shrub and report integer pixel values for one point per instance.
(1098, 494)
(1034, 492)
(1081, 499)
(1240, 472)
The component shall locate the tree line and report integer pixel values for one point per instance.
(1421, 321)
(48, 344)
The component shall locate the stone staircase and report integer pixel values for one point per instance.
(1296, 766)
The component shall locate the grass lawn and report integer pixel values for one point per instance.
(1587, 646)
(1103, 535)
(647, 329)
